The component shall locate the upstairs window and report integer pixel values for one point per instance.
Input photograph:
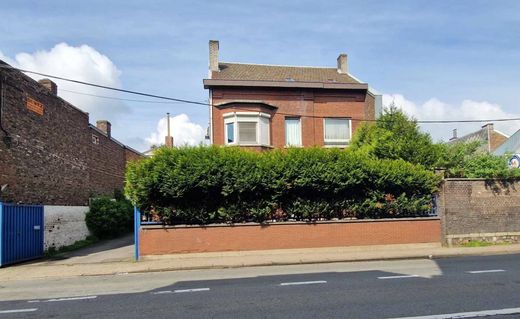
(293, 132)
(337, 132)
(247, 128)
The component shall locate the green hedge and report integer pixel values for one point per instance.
(109, 218)
(199, 185)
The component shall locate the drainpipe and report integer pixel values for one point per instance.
(7, 137)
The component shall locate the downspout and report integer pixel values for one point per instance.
(7, 137)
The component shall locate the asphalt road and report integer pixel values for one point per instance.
(467, 286)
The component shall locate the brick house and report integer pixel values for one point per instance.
(271, 106)
(49, 153)
(489, 138)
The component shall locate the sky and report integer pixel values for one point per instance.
(434, 59)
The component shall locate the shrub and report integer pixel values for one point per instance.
(108, 218)
(200, 185)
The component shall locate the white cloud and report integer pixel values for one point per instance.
(82, 63)
(434, 109)
(184, 131)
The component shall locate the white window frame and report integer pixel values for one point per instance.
(300, 126)
(337, 143)
(251, 117)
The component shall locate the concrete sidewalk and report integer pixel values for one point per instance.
(246, 259)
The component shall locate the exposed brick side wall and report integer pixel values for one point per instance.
(311, 105)
(496, 140)
(158, 240)
(53, 160)
(480, 209)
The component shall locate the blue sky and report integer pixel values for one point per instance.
(437, 59)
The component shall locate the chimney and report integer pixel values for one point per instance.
(49, 85)
(105, 126)
(489, 126)
(213, 55)
(342, 63)
(454, 137)
(168, 140)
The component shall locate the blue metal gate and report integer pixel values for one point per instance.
(21, 233)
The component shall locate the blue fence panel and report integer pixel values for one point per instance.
(137, 229)
(21, 233)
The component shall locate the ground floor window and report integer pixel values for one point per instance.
(338, 132)
(247, 128)
(293, 131)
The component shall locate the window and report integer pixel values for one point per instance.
(293, 132)
(247, 128)
(230, 133)
(95, 139)
(337, 132)
(247, 132)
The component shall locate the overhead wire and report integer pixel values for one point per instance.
(179, 100)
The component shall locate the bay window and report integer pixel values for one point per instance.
(247, 128)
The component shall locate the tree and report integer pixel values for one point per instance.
(396, 136)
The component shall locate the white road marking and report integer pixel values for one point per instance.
(162, 292)
(398, 277)
(485, 313)
(18, 310)
(190, 290)
(485, 271)
(303, 283)
(64, 299)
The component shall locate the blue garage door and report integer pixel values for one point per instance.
(21, 232)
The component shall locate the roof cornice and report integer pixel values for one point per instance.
(209, 83)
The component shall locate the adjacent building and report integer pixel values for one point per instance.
(488, 137)
(51, 155)
(262, 106)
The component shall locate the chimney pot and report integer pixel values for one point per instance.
(49, 85)
(105, 126)
(342, 63)
(213, 56)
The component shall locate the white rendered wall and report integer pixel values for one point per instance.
(64, 225)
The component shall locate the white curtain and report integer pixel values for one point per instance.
(293, 135)
(337, 130)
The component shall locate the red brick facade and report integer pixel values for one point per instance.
(55, 157)
(311, 106)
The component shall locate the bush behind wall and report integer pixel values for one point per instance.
(200, 185)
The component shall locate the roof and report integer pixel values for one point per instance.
(480, 136)
(510, 146)
(266, 72)
(242, 74)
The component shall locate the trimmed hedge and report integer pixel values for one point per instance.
(200, 185)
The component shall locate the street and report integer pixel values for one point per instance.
(466, 286)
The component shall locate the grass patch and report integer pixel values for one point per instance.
(90, 240)
(482, 243)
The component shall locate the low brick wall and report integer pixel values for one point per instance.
(158, 240)
(479, 209)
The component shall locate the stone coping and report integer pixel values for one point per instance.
(342, 221)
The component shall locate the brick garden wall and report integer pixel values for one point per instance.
(478, 209)
(158, 240)
(52, 159)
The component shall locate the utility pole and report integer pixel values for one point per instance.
(169, 138)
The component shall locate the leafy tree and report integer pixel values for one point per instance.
(396, 136)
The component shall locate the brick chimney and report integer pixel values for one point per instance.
(105, 126)
(213, 55)
(342, 63)
(49, 85)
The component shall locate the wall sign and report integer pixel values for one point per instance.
(34, 106)
(514, 162)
